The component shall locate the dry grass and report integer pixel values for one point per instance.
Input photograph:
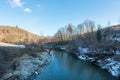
(11, 34)
(7, 54)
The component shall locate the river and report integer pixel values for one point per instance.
(66, 67)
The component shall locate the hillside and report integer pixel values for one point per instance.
(103, 51)
(10, 34)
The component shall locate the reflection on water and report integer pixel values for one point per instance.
(66, 67)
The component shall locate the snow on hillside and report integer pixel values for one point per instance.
(11, 45)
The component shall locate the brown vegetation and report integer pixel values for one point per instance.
(17, 35)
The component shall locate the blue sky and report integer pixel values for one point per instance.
(46, 16)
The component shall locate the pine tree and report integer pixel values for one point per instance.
(99, 34)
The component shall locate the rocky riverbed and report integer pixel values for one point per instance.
(27, 67)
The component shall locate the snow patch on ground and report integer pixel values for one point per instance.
(118, 52)
(115, 39)
(113, 67)
(82, 57)
(83, 50)
(11, 45)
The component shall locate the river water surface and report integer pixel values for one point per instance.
(66, 67)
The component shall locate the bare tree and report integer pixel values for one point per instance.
(80, 27)
(89, 27)
(70, 30)
(60, 35)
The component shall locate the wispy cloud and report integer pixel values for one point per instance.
(20, 4)
(16, 3)
(28, 10)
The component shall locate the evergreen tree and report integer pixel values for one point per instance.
(99, 34)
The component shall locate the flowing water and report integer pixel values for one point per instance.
(66, 67)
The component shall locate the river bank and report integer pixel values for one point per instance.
(22, 63)
(103, 59)
(28, 67)
(108, 62)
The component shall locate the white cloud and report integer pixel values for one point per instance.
(28, 10)
(20, 4)
(16, 3)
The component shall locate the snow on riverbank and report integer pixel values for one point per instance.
(28, 66)
(111, 65)
(83, 50)
(108, 63)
